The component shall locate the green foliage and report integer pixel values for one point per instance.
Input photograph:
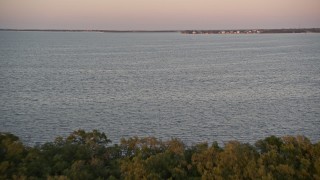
(287, 158)
(12, 153)
(88, 155)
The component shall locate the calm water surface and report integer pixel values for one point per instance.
(193, 87)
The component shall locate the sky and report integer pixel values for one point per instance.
(159, 14)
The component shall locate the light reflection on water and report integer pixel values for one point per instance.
(197, 88)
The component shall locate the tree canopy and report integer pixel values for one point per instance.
(90, 155)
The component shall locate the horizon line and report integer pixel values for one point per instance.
(141, 30)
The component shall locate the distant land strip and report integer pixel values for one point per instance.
(253, 31)
(230, 31)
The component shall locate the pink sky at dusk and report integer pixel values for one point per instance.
(159, 14)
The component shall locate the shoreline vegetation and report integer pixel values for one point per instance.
(222, 31)
(90, 155)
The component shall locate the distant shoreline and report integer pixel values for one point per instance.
(222, 31)
(253, 31)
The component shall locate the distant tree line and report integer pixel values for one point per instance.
(90, 155)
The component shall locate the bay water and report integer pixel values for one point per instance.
(193, 87)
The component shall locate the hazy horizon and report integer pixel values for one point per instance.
(159, 15)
